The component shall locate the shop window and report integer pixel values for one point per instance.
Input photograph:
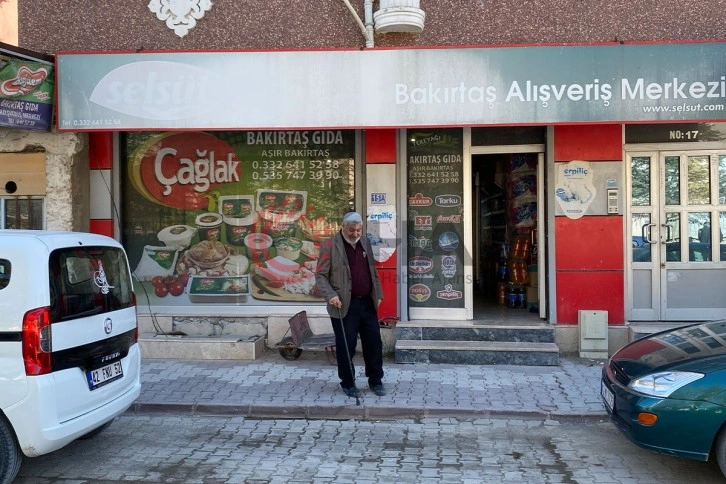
(21, 213)
(236, 217)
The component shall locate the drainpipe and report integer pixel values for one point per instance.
(367, 28)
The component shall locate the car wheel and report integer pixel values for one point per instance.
(720, 450)
(10, 456)
(95, 431)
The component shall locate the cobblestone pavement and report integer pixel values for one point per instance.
(308, 388)
(190, 449)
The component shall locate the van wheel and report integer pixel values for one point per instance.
(96, 431)
(10, 456)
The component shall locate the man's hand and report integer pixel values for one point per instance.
(335, 302)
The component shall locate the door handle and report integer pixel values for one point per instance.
(646, 232)
(668, 233)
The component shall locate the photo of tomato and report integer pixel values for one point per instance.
(176, 288)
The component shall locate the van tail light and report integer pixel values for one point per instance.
(136, 332)
(37, 344)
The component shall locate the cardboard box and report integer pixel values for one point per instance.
(533, 276)
(532, 295)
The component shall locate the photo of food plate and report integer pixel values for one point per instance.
(281, 279)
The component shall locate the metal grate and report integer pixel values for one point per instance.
(620, 376)
(21, 213)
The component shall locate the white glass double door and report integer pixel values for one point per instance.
(676, 267)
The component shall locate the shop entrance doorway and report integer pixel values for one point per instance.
(506, 209)
(677, 215)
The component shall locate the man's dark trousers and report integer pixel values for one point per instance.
(362, 318)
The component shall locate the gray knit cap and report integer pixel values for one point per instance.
(352, 218)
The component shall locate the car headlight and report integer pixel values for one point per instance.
(664, 383)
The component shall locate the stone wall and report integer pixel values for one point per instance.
(67, 176)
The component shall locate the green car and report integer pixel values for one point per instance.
(667, 391)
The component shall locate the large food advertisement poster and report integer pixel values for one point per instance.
(435, 218)
(233, 217)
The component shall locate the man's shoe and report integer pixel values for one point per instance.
(351, 391)
(378, 389)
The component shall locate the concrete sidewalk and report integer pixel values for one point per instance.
(271, 387)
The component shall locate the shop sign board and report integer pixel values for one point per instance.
(478, 86)
(233, 218)
(26, 94)
(435, 218)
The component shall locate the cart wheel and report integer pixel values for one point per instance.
(330, 354)
(288, 350)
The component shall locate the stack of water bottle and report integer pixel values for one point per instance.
(514, 271)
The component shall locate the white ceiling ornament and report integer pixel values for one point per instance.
(180, 15)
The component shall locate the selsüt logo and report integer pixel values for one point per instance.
(167, 90)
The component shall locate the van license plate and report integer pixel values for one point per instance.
(106, 374)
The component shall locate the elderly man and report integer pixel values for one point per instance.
(347, 278)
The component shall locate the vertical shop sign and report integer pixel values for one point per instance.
(26, 94)
(234, 217)
(435, 218)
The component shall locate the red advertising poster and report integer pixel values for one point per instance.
(233, 217)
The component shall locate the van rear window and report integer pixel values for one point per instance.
(4, 273)
(88, 280)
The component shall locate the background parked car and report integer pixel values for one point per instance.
(667, 391)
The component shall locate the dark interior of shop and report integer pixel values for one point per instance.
(505, 252)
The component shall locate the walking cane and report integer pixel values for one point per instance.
(347, 353)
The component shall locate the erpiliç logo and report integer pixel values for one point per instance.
(579, 171)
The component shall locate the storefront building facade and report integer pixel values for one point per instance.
(574, 171)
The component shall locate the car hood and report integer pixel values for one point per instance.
(697, 347)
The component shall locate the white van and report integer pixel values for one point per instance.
(69, 358)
